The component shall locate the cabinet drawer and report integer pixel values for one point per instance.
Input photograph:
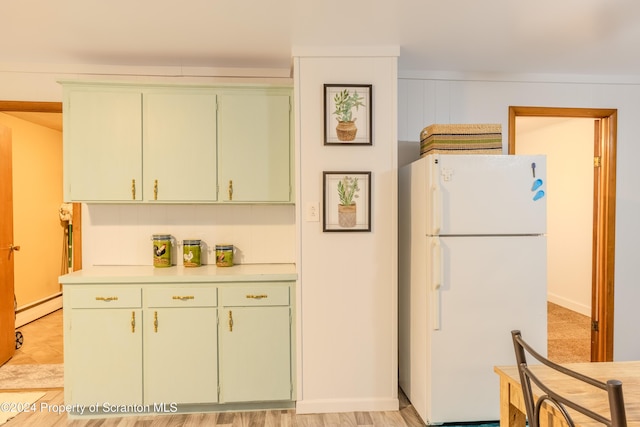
(247, 296)
(106, 297)
(180, 297)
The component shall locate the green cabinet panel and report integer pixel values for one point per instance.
(103, 361)
(254, 146)
(179, 145)
(102, 144)
(180, 355)
(255, 354)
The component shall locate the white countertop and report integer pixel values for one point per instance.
(180, 274)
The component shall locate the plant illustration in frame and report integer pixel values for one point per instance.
(347, 116)
(347, 201)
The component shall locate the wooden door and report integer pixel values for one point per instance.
(7, 313)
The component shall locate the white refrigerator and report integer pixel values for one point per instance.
(472, 267)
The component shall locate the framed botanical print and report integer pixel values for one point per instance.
(347, 201)
(347, 114)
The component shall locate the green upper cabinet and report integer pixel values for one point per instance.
(179, 145)
(254, 145)
(102, 144)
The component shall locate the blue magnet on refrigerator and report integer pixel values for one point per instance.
(536, 184)
(539, 195)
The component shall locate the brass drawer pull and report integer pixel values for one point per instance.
(183, 298)
(106, 299)
(133, 321)
(133, 189)
(155, 321)
(261, 296)
(155, 190)
(230, 321)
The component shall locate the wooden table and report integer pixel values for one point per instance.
(512, 406)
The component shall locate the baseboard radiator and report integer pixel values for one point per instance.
(35, 310)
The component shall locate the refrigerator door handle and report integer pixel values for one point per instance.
(436, 280)
(436, 210)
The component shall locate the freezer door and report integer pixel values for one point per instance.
(488, 286)
(486, 194)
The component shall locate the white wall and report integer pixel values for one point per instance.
(568, 145)
(121, 234)
(347, 301)
(423, 100)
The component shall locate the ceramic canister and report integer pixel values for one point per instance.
(191, 253)
(162, 250)
(224, 255)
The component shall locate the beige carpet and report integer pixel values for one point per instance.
(12, 404)
(569, 335)
(31, 377)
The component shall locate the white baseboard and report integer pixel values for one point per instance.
(321, 406)
(570, 304)
(38, 309)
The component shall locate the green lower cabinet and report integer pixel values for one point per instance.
(180, 355)
(103, 362)
(159, 345)
(255, 354)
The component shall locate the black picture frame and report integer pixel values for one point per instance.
(340, 105)
(338, 187)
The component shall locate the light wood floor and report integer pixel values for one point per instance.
(43, 345)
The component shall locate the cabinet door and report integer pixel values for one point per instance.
(180, 362)
(180, 145)
(255, 354)
(254, 140)
(104, 359)
(103, 145)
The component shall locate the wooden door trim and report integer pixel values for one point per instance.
(53, 107)
(31, 107)
(604, 217)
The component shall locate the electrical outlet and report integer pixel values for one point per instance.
(312, 213)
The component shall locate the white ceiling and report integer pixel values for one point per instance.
(597, 37)
(544, 36)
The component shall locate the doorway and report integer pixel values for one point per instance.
(603, 215)
(28, 111)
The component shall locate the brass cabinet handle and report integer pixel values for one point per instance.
(183, 297)
(230, 321)
(257, 296)
(13, 248)
(133, 321)
(155, 321)
(230, 190)
(107, 299)
(155, 190)
(133, 189)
